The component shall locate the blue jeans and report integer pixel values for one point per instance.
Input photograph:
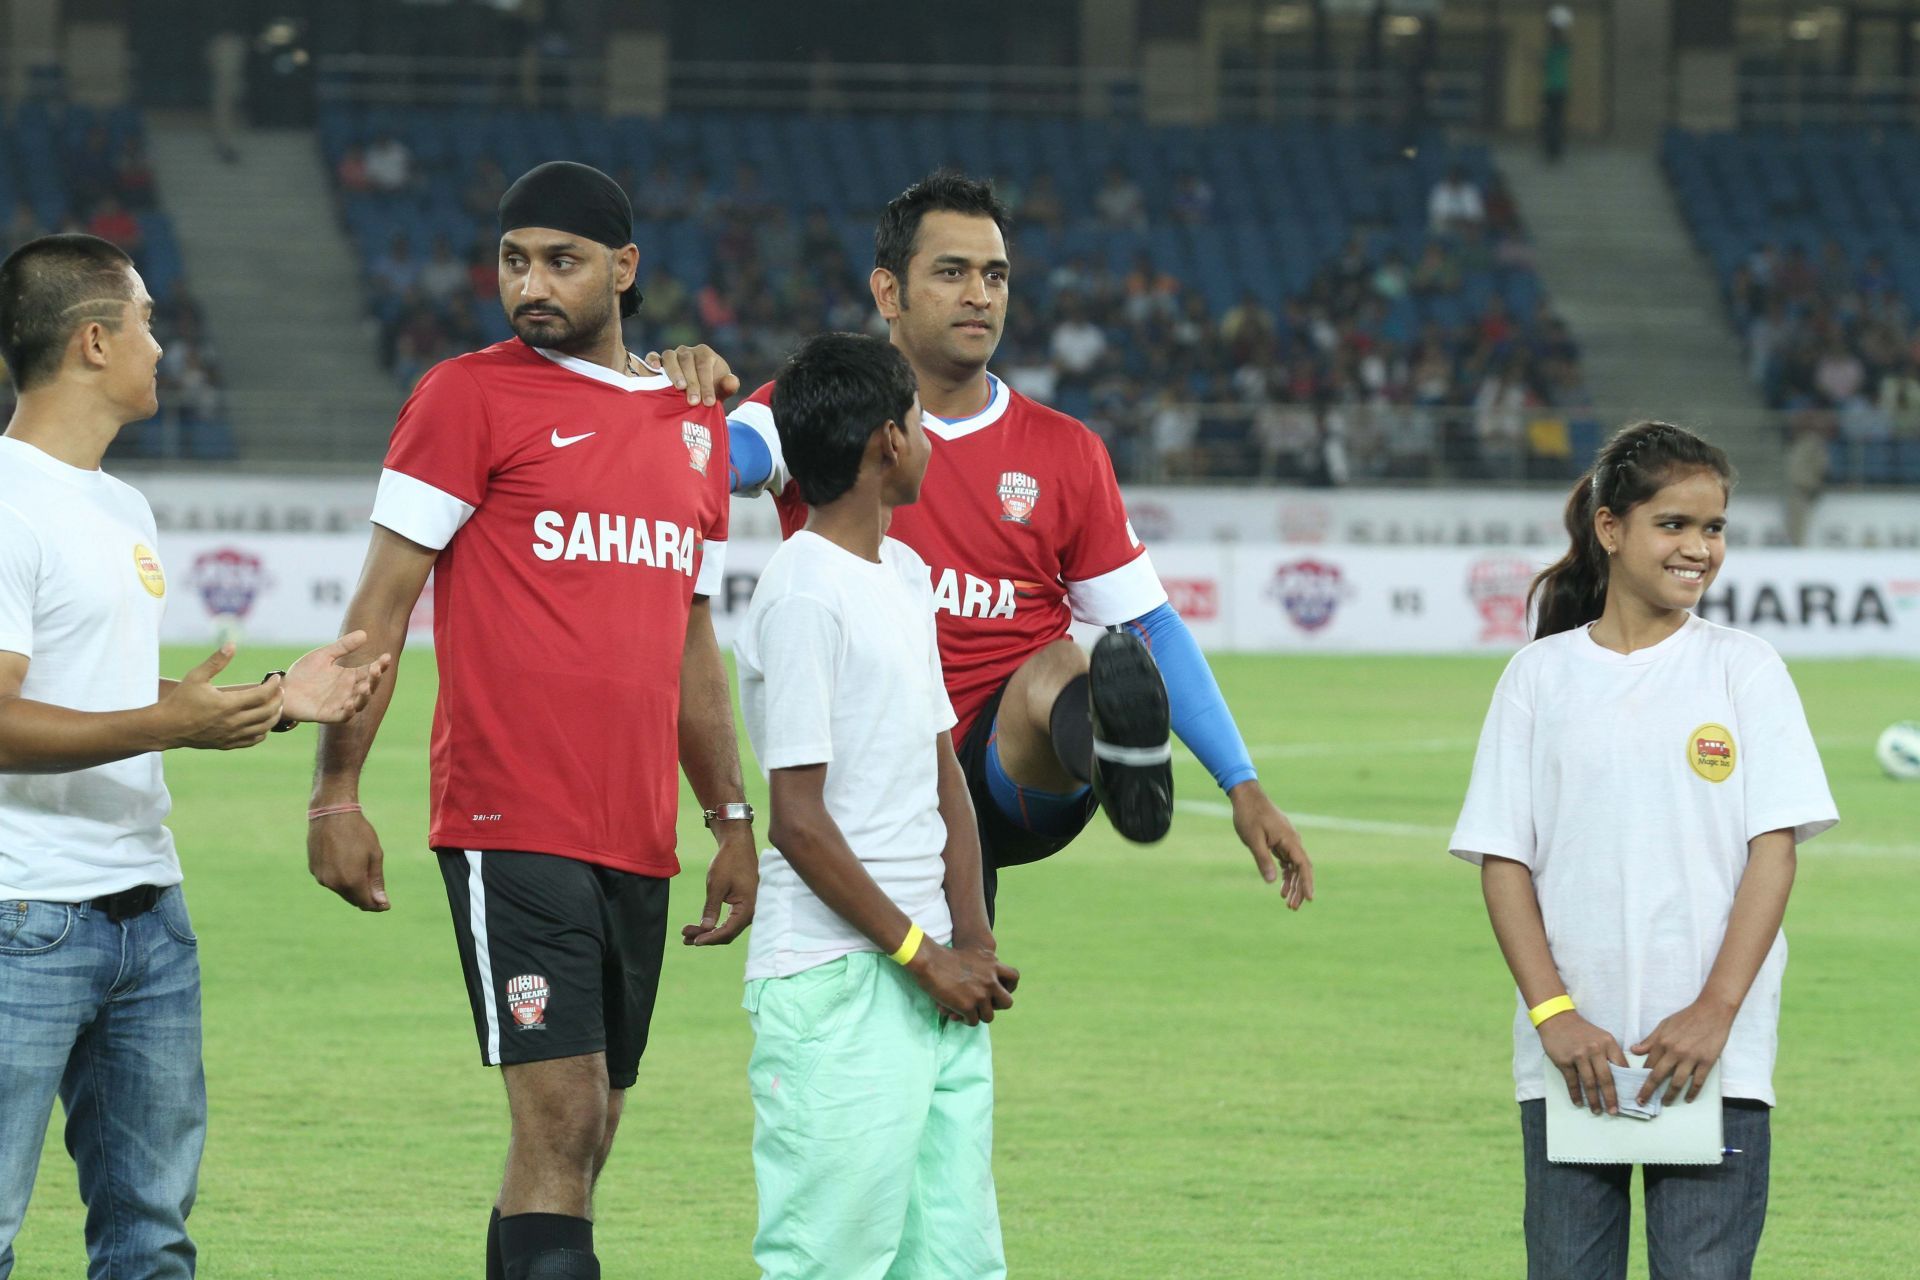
(107, 1015)
(1703, 1221)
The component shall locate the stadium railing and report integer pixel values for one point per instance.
(407, 80)
(1449, 95)
(1798, 98)
(1226, 444)
(1388, 445)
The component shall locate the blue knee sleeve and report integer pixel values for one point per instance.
(1041, 812)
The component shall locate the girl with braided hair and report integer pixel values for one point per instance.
(1642, 781)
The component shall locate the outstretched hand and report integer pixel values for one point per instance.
(320, 689)
(1269, 835)
(198, 713)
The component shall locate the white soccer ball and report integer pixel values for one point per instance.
(1899, 751)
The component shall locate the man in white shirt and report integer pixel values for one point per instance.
(99, 979)
(389, 164)
(871, 965)
(1455, 204)
(1077, 343)
(1119, 202)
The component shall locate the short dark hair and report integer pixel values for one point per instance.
(48, 288)
(943, 191)
(829, 399)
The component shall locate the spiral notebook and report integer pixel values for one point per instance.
(1683, 1133)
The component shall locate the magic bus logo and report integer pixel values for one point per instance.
(1310, 591)
(229, 580)
(1710, 752)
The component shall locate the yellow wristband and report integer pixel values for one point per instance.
(1547, 1008)
(910, 946)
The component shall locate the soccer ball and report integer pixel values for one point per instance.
(1899, 751)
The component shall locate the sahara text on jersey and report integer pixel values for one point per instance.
(659, 544)
(965, 596)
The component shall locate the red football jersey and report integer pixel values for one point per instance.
(1022, 526)
(577, 512)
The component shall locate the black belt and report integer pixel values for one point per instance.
(128, 903)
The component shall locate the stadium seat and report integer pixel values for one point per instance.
(1286, 198)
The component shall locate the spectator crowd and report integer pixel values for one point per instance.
(1401, 357)
(1831, 341)
(105, 187)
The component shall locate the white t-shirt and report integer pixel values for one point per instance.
(1630, 785)
(1078, 345)
(81, 594)
(1454, 203)
(838, 666)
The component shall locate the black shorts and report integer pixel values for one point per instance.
(1003, 842)
(562, 957)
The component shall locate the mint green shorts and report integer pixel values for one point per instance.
(872, 1129)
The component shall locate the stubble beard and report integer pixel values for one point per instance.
(565, 334)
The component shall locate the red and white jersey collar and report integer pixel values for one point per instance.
(652, 380)
(999, 396)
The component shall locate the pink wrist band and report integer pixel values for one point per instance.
(327, 810)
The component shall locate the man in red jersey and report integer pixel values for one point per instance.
(572, 507)
(1023, 527)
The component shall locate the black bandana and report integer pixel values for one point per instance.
(574, 198)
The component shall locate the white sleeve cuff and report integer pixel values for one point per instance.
(1477, 849)
(1118, 596)
(797, 756)
(713, 568)
(758, 418)
(417, 511)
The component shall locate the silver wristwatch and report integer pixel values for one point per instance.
(735, 811)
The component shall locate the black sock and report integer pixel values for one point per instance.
(536, 1246)
(1070, 726)
(496, 1268)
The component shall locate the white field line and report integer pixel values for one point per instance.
(1215, 809)
(1415, 830)
(1429, 746)
(1397, 746)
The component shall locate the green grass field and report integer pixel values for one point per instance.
(1194, 1083)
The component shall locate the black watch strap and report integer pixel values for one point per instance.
(287, 723)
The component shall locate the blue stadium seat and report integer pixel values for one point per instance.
(1286, 198)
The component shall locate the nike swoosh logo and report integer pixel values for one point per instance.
(561, 442)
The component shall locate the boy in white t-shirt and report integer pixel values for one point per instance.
(99, 972)
(871, 966)
(1642, 781)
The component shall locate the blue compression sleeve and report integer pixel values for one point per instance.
(1200, 714)
(749, 461)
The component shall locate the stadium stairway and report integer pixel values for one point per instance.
(1620, 267)
(277, 278)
